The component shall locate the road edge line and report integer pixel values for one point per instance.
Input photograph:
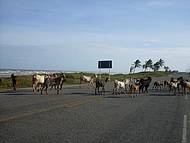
(184, 134)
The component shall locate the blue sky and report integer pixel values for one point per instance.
(75, 34)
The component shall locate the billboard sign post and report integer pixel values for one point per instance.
(105, 65)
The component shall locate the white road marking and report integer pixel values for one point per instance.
(184, 135)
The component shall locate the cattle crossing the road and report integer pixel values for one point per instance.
(77, 115)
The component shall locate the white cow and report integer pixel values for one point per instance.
(120, 86)
(173, 85)
(89, 79)
(187, 83)
(38, 81)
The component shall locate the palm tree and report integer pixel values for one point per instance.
(143, 66)
(148, 64)
(131, 69)
(161, 62)
(166, 68)
(156, 66)
(137, 64)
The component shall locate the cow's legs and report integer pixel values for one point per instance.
(95, 91)
(57, 89)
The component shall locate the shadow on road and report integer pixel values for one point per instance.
(116, 96)
(163, 94)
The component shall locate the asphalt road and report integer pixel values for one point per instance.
(78, 116)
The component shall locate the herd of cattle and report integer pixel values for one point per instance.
(128, 86)
(132, 86)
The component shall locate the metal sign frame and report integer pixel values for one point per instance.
(107, 64)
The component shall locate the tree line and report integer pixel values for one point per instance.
(149, 65)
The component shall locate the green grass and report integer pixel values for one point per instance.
(140, 75)
(73, 78)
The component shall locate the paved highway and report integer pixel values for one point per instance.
(77, 116)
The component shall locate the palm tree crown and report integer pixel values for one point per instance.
(156, 66)
(137, 63)
(161, 62)
(148, 64)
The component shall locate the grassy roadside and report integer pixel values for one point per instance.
(73, 78)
